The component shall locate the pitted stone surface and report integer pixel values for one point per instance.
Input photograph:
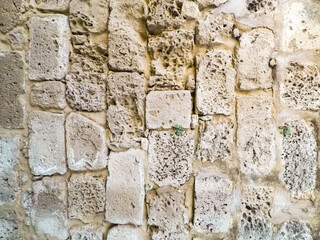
(56, 5)
(180, 234)
(17, 38)
(86, 144)
(86, 196)
(46, 143)
(49, 47)
(170, 157)
(10, 14)
(215, 83)
(124, 232)
(255, 50)
(12, 86)
(166, 109)
(294, 230)
(87, 232)
(213, 200)
(256, 135)
(299, 88)
(210, 3)
(9, 229)
(256, 228)
(125, 187)
(48, 95)
(299, 158)
(126, 93)
(262, 6)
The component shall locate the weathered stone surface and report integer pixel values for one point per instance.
(213, 200)
(180, 234)
(124, 232)
(17, 38)
(255, 50)
(261, 6)
(126, 93)
(48, 95)
(190, 10)
(57, 5)
(294, 230)
(10, 14)
(87, 232)
(170, 157)
(215, 83)
(9, 229)
(299, 158)
(299, 86)
(166, 109)
(86, 144)
(210, 3)
(46, 143)
(125, 187)
(86, 196)
(12, 85)
(255, 135)
(89, 16)
(49, 47)
(86, 91)
(256, 228)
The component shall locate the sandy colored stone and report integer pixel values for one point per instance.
(294, 230)
(55, 5)
(10, 14)
(256, 228)
(210, 3)
(17, 38)
(124, 232)
(190, 10)
(261, 6)
(9, 226)
(87, 232)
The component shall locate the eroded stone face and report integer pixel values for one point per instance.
(88, 232)
(294, 230)
(17, 38)
(10, 14)
(257, 228)
(56, 5)
(9, 228)
(210, 3)
(127, 232)
(261, 6)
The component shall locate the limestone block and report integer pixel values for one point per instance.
(12, 86)
(86, 196)
(166, 109)
(55, 5)
(9, 176)
(170, 157)
(89, 16)
(213, 200)
(299, 158)
(210, 3)
(299, 87)
(261, 6)
(255, 135)
(49, 47)
(180, 234)
(294, 230)
(253, 57)
(88, 232)
(125, 187)
(214, 28)
(17, 38)
(9, 229)
(10, 14)
(126, 93)
(190, 10)
(48, 95)
(124, 232)
(86, 91)
(46, 143)
(257, 228)
(215, 83)
(86, 144)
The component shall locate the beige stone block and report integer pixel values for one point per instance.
(88, 232)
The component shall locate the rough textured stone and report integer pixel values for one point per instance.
(49, 47)
(10, 14)
(86, 196)
(215, 83)
(125, 187)
(124, 232)
(180, 234)
(170, 157)
(166, 109)
(56, 5)
(87, 232)
(86, 91)
(213, 200)
(46, 143)
(299, 158)
(48, 95)
(12, 85)
(261, 6)
(255, 50)
(255, 135)
(126, 93)
(190, 10)
(9, 229)
(257, 228)
(86, 144)
(210, 3)
(294, 230)
(17, 38)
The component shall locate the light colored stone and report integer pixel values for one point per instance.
(190, 10)
(262, 6)
(46, 143)
(48, 95)
(124, 232)
(194, 121)
(49, 47)
(294, 230)
(125, 187)
(86, 144)
(17, 38)
(210, 3)
(179, 234)
(256, 228)
(256, 47)
(9, 228)
(10, 14)
(87, 232)
(170, 157)
(166, 109)
(56, 5)
(215, 83)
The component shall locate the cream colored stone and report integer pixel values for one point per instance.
(294, 230)
(262, 6)
(87, 232)
(210, 3)
(124, 232)
(56, 5)
(190, 10)
(9, 228)
(194, 121)
(18, 38)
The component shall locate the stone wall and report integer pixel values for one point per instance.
(159, 119)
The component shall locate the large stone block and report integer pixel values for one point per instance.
(294, 230)
(55, 5)
(87, 232)
(49, 47)
(10, 14)
(210, 3)
(9, 226)
(124, 232)
(125, 187)
(46, 143)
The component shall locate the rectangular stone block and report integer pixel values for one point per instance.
(126, 232)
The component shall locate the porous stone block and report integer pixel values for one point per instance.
(10, 14)
(256, 228)
(261, 6)
(190, 10)
(210, 3)
(213, 200)
(86, 91)
(124, 232)
(87, 232)
(55, 5)
(48, 95)
(294, 230)
(46, 143)
(299, 158)
(215, 83)
(125, 187)
(126, 94)
(9, 228)
(86, 144)
(179, 234)
(49, 47)
(255, 135)
(166, 109)
(12, 86)
(253, 57)
(86, 196)
(170, 157)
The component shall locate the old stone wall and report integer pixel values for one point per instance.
(159, 119)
